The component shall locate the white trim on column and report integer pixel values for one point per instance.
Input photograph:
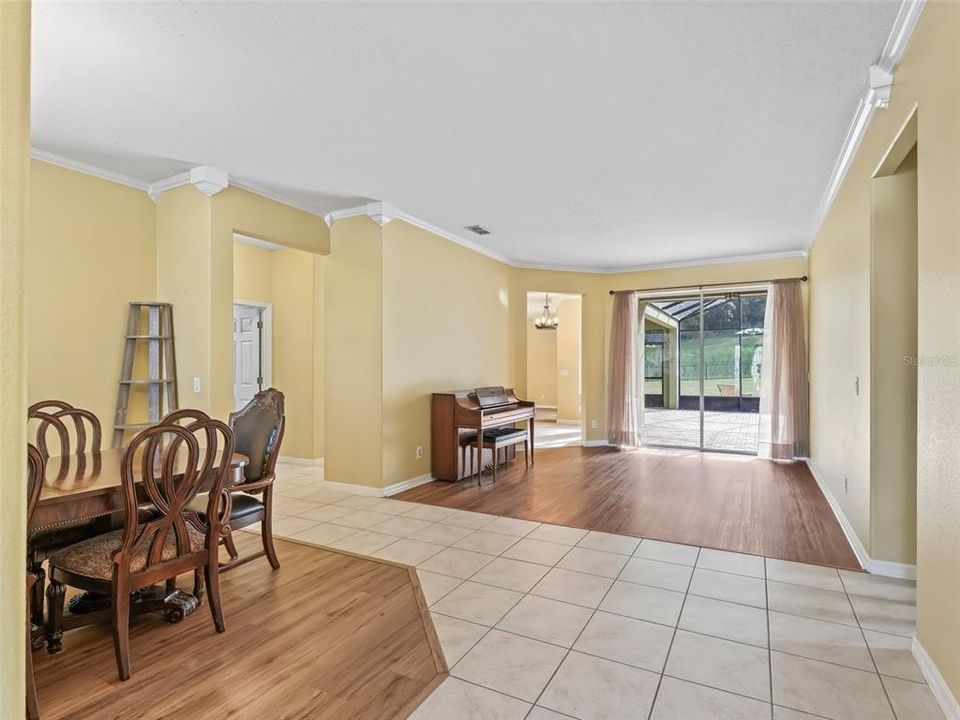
(877, 567)
(875, 95)
(935, 681)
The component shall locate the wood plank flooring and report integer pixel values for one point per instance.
(329, 635)
(729, 502)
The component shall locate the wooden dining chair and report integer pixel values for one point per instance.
(35, 471)
(172, 468)
(258, 428)
(85, 423)
(55, 416)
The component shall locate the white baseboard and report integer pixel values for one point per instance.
(545, 407)
(312, 462)
(568, 421)
(352, 488)
(406, 485)
(595, 443)
(938, 686)
(379, 491)
(876, 567)
(892, 569)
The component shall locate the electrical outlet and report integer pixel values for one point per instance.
(846, 486)
(196, 384)
(419, 452)
(593, 424)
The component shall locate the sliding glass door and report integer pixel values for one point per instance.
(701, 364)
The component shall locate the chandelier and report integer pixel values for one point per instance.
(547, 320)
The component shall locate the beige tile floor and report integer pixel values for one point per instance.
(546, 622)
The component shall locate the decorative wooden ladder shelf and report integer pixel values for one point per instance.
(161, 380)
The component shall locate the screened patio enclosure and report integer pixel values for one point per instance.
(701, 364)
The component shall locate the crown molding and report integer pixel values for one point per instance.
(380, 212)
(161, 186)
(209, 180)
(250, 187)
(374, 210)
(463, 242)
(695, 262)
(155, 189)
(875, 96)
(86, 169)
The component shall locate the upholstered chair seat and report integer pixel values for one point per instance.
(243, 506)
(94, 557)
(44, 540)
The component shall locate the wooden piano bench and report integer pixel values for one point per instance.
(496, 440)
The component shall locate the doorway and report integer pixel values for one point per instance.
(252, 350)
(700, 368)
(554, 367)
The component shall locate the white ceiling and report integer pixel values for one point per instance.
(593, 135)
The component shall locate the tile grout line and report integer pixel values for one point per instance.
(766, 595)
(656, 693)
(863, 635)
(494, 627)
(577, 638)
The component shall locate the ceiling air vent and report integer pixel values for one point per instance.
(477, 229)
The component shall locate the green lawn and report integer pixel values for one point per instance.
(720, 354)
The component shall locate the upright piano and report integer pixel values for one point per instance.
(458, 411)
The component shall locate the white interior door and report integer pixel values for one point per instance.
(247, 353)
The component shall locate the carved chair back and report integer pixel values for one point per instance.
(258, 428)
(35, 469)
(45, 423)
(187, 415)
(173, 468)
(85, 426)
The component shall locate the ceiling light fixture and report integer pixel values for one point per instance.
(547, 319)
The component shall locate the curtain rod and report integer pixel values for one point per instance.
(803, 278)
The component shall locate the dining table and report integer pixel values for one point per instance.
(88, 488)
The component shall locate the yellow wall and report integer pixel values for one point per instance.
(445, 327)
(893, 411)
(252, 273)
(541, 365)
(285, 279)
(928, 78)
(568, 359)
(597, 310)
(92, 251)
(14, 174)
(238, 211)
(184, 268)
(353, 349)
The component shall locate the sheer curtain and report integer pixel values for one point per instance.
(623, 422)
(784, 412)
